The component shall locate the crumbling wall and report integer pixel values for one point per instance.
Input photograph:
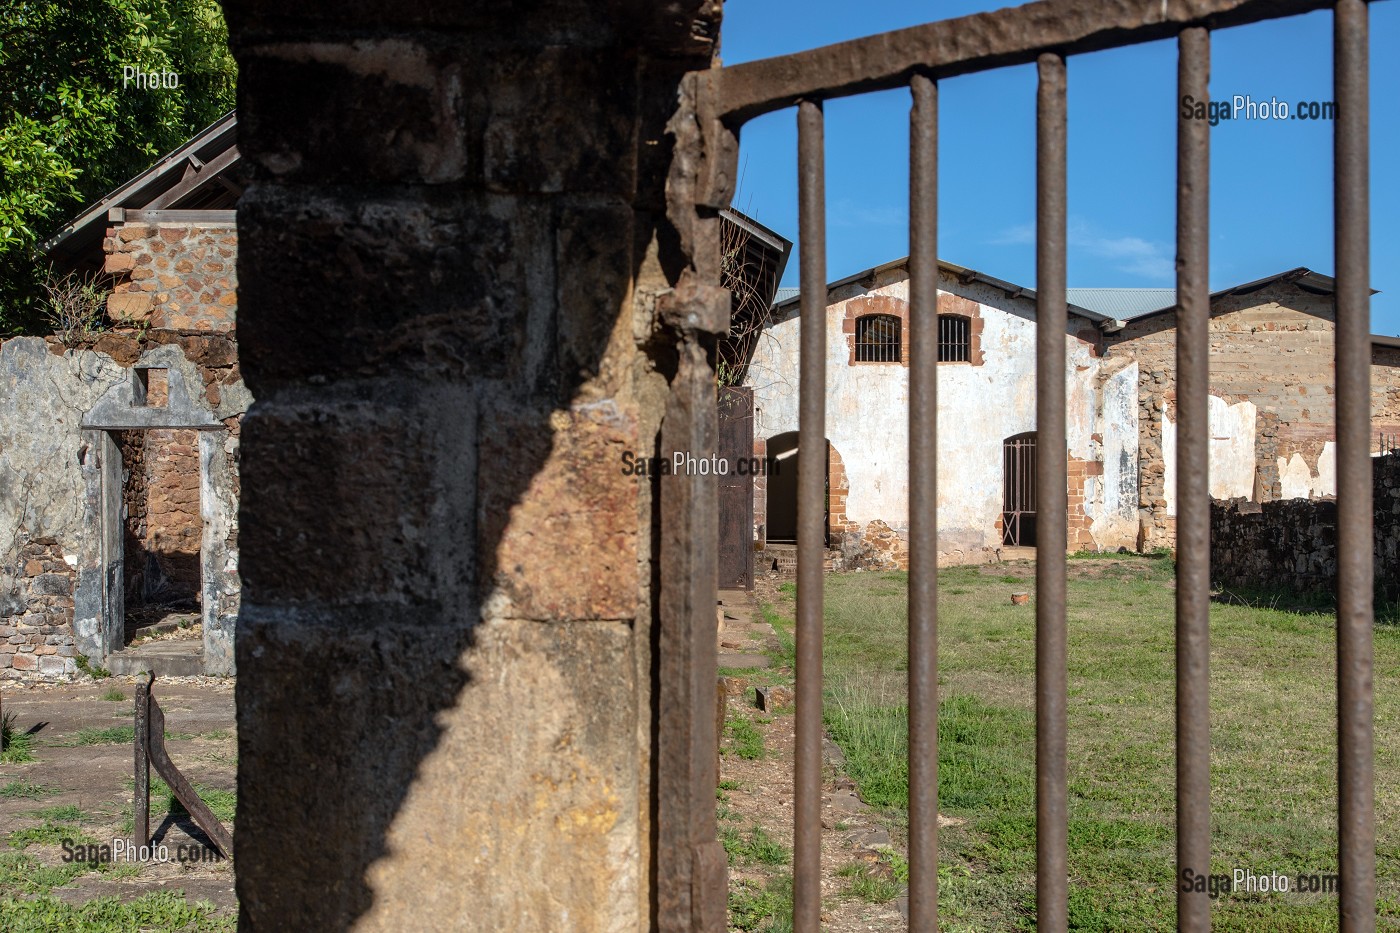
(52, 464)
(1272, 410)
(1292, 543)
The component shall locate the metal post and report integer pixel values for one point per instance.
(1355, 540)
(1052, 499)
(141, 803)
(1193, 484)
(811, 515)
(923, 505)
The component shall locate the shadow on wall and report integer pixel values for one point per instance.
(435, 442)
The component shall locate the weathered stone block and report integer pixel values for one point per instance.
(577, 501)
(451, 291)
(129, 306)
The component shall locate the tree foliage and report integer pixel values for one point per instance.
(70, 131)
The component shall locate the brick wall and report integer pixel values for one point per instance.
(178, 277)
(1292, 544)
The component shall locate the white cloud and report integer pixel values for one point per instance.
(1130, 255)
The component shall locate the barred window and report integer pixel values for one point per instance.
(954, 339)
(877, 339)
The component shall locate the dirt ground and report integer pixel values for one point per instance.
(98, 779)
(759, 792)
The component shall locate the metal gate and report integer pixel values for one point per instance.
(715, 104)
(1018, 490)
(736, 487)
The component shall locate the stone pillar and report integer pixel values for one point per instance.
(449, 262)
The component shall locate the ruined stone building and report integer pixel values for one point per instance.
(1271, 410)
(119, 447)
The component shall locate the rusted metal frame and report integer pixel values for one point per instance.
(979, 42)
(924, 339)
(1193, 485)
(198, 810)
(1355, 541)
(811, 519)
(690, 865)
(141, 802)
(1052, 501)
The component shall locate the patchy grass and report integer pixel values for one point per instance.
(116, 735)
(114, 695)
(66, 813)
(744, 738)
(761, 906)
(162, 910)
(870, 883)
(756, 848)
(1273, 742)
(16, 747)
(27, 789)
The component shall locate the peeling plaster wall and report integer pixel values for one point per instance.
(1272, 406)
(979, 407)
(61, 490)
(1232, 455)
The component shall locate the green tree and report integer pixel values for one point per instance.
(70, 132)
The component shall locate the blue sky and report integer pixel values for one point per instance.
(1271, 182)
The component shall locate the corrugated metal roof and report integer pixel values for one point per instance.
(783, 294)
(1124, 304)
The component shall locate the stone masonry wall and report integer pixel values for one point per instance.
(1273, 348)
(1292, 543)
(178, 277)
(455, 264)
(36, 616)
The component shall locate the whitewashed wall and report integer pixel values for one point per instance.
(867, 416)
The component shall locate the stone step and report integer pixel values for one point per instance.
(166, 659)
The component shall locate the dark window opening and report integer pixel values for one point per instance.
(954, 339)
(877, 339)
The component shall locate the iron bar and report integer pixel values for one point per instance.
(1355, 541)
(924, 340)
(980, 42)
(1193, 484)
(141, 802)
(1052, 500)
(811, 519)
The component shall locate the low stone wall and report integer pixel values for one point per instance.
(1292, 543)
(36, 631)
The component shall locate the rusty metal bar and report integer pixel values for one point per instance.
(1193, 484)
(1052, 499)
(141, 802)
(979, 42)
(1355, 542)
(924, 339)
(198, 810)
(811, 520)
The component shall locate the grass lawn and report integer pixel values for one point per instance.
(1273, 764)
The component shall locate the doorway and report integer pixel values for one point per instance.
(782, 489)
(161, 531)
(1018, 455)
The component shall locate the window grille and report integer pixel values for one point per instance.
(954, 339)
(877, 339)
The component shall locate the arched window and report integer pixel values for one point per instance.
(954, 339)
(877, 339)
